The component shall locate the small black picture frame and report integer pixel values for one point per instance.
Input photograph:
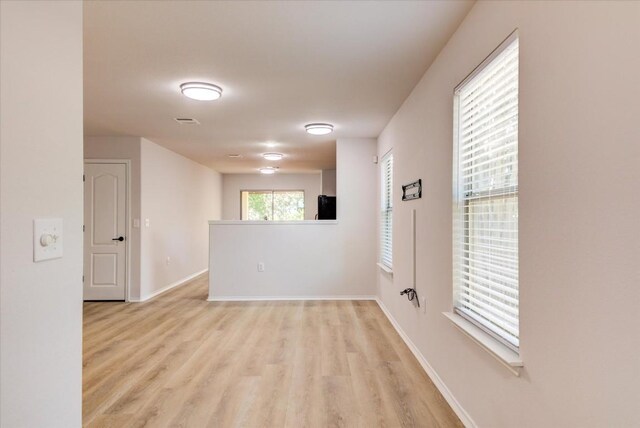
(412, 190)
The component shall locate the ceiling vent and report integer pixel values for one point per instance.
(187, 121)
(234, 156)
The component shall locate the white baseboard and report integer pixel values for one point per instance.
(169, 287)
(446, 393)
(285, 298)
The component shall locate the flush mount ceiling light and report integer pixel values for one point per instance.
(268, 170)
(201, 91)
(319, 128)
(273, 156)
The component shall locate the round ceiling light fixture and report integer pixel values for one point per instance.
(268, 170)
(319, 128)
(201, 91)
(273, 156)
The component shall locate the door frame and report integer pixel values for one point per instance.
(127, 248)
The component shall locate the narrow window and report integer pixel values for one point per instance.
(386, 228)
(485, 178)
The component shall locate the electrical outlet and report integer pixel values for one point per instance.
(260, 267)
(168, 260)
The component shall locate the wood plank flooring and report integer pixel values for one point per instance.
(181, 361)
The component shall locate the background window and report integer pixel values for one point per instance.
(277, 205)
(486, 196)
(386, 228)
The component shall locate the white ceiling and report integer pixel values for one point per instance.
(281, 65)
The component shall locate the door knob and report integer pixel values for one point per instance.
(119, 238)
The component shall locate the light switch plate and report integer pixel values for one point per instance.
(47, 239)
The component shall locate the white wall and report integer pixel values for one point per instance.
(123, 148)
(301, 260)
(306, 260)
(579, 235)
(329, 182)
(40, 176)
(356, 205)
(179, 197)
(233, 184)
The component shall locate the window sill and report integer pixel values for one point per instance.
(271, 223)
(500, 352)
(385, 268)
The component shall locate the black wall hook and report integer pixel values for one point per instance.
(411, 294)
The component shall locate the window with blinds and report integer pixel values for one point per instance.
(486, 195)
(386, 228)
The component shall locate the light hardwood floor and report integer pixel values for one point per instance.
(179, 360)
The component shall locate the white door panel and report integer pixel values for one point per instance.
(105, 219)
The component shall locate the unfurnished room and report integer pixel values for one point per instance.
(316, 213)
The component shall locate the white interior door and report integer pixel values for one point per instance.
(105, 221)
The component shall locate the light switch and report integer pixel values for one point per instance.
(47, 239)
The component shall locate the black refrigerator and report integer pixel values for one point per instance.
(326, 207)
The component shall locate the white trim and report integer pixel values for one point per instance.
(385, 268)
(170, 286)
(465, 418)
(385, 154)
(127, 248)
(497, 350)
(497, 51)
(271, 223)
(286, 298)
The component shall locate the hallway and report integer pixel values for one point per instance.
(179, 360)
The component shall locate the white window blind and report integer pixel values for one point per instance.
(386, 228)
(486, 195)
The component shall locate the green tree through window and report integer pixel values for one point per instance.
(277, 205)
